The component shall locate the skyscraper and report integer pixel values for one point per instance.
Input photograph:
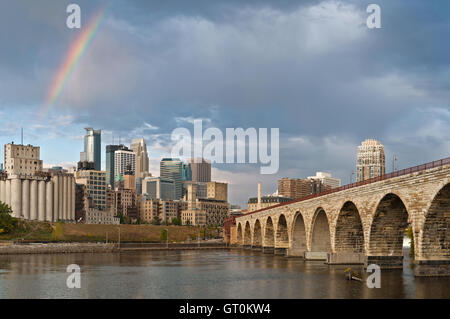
(110, 150)
(371, 161)
(171, 168)
(158, 188)
(186, 172)
(139, 147)
(92, 148)
(201, 170)
(124, 160)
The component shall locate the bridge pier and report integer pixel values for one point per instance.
(280, 251)
(432, 268)
(346, 258)
(315, 255)
(268, 250)
(386, 262)
(291, 252)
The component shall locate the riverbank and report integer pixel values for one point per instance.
(55, 248)
(67, 248)
(34, 231)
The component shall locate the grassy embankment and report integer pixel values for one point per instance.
(43, 231)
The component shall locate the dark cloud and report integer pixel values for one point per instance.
(310, 68)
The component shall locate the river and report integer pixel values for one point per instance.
(233, 274)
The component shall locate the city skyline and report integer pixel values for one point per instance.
(370, 93)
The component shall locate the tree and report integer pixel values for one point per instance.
(7, 222)
(410, 235)
(163, 235)
(156, 221)
(176, 221)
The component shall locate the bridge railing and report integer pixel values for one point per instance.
(405, 171)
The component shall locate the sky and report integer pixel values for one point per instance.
(313, 69)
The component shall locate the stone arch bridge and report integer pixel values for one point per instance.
(364, 222)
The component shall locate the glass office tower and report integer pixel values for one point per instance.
(171, 168)
(92, 148)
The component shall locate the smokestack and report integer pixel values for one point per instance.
(259, 196)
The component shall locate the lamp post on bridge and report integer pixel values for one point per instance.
(394, 158)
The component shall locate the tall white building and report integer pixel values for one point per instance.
(371, 161)
(139, 147)
(123, 158)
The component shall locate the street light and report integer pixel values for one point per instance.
(394, 158)
(167, 238)
(119, 237)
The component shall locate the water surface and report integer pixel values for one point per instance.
(200, 274)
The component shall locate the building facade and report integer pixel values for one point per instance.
(31, 192)
(266, 201)
(129, 180)
(22, 160)
(186, 172)
(217, 191)
(200, 170)
(96, 216)
(159, 188)
(326, 179)
(124, 160)
(371, 161)
(139, 147)
(110, 162)
(92, 148)
(95, 183)
(81, 203)
(44, 197)
(202, 211)
(171, 168)
(294, 188)
(201, 189)
(148, 210)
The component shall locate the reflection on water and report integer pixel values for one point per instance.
(201, 274)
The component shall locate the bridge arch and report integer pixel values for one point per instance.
(320, 236)
(240, 234)
(388, 227)
(298, 235)
(349, 233)
(269, 236)
(257, 235)
(247, 234)
(436, 230)
(282, 236)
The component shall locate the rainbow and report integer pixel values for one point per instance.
(73, 56)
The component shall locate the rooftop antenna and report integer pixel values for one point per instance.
(22, 136)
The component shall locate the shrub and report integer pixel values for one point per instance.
(7, 222)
